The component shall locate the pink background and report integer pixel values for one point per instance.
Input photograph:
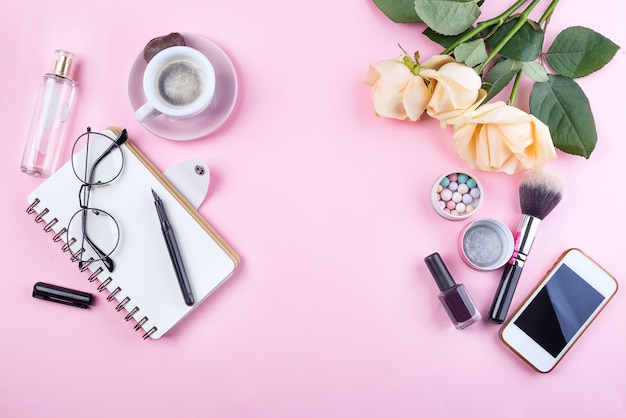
(332, 312)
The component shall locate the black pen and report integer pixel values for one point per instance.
(172, 248)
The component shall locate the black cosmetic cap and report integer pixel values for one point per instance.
(440, 272)
(58, 294)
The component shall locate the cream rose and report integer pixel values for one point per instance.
(455, 87)
(499, 137)
(397, 92)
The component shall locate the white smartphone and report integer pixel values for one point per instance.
(559, 310)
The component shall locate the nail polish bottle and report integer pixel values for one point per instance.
(47, 130)
(454, 297)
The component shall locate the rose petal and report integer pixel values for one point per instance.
(456, 88)
(499, 137)
(393, 72)
(416, 97)
(388, 101)
(397, 93)
(437, 61)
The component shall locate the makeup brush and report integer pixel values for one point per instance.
(539, 192)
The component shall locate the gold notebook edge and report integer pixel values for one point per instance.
(208, 228)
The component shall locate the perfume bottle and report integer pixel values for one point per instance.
(454, 297)
(47, 129)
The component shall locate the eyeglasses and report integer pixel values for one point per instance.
(97, 160)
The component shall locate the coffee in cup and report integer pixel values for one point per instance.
(178, 82)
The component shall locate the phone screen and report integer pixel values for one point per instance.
(559, 310)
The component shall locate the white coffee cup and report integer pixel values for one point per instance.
(178, 82)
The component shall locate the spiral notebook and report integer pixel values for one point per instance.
(143, 284)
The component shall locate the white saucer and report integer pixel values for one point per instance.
(212, 117)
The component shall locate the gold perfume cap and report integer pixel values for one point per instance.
(64, 64)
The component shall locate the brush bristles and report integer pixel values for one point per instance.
(539, 192)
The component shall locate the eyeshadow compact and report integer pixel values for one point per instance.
(486, 244)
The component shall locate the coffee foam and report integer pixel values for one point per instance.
(179, 83)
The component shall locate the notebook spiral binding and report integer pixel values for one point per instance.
(48, 227)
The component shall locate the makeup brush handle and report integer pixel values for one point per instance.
(504, 295)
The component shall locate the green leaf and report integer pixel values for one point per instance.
(443, 40)
(448, 17)
(535, 71)
(399, 11)
(577, 52)
(500, 76)
(525, 45)
(562, 105)
(471, 53)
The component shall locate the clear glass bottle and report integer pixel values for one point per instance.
(47, 130)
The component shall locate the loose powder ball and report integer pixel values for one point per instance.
(456, 195)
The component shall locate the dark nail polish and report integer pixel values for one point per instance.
(454, 297)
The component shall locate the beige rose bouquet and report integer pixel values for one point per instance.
(479, 61)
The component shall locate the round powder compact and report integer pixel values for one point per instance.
(486, 244)
(456, 195)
